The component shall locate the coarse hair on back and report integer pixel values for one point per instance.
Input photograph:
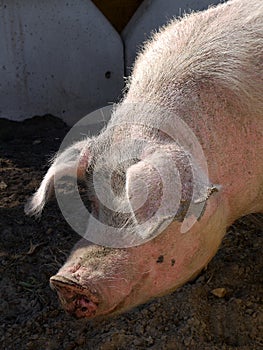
(220, 47)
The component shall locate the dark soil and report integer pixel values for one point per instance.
(32, 250)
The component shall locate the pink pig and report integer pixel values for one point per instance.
(206, 70)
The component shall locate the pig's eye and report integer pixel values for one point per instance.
(118, 176)
(118, 179)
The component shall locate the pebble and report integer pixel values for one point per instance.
(49, 231)
(37, 142)
(150, 340)
(249, 311)
(3, 185)
(219, 292)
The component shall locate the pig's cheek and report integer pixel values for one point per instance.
(173, 269)
(169, 261)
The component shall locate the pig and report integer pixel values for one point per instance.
(203, 70)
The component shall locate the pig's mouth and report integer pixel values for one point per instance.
(79, 301)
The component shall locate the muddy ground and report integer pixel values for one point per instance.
(32, 250)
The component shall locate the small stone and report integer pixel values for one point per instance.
(219, 292)
(249, 311)
(150, 340)
(3, 185)
(238, 301)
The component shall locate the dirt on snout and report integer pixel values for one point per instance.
(221, 309)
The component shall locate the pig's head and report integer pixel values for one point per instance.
(158, 255)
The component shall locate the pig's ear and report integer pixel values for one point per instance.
(144, 191)
(149, 192)
(165, 186)
(72, 162)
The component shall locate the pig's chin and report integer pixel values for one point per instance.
(81, 302)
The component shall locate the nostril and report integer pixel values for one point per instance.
(84, 307)
(83, 303)
(72, 299)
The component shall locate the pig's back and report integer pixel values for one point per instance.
(221, 47)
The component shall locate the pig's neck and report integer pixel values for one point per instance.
(232, 143)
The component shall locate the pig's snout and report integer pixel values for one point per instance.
(75, 300)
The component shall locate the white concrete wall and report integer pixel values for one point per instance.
(64, 58)
(58, 57)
